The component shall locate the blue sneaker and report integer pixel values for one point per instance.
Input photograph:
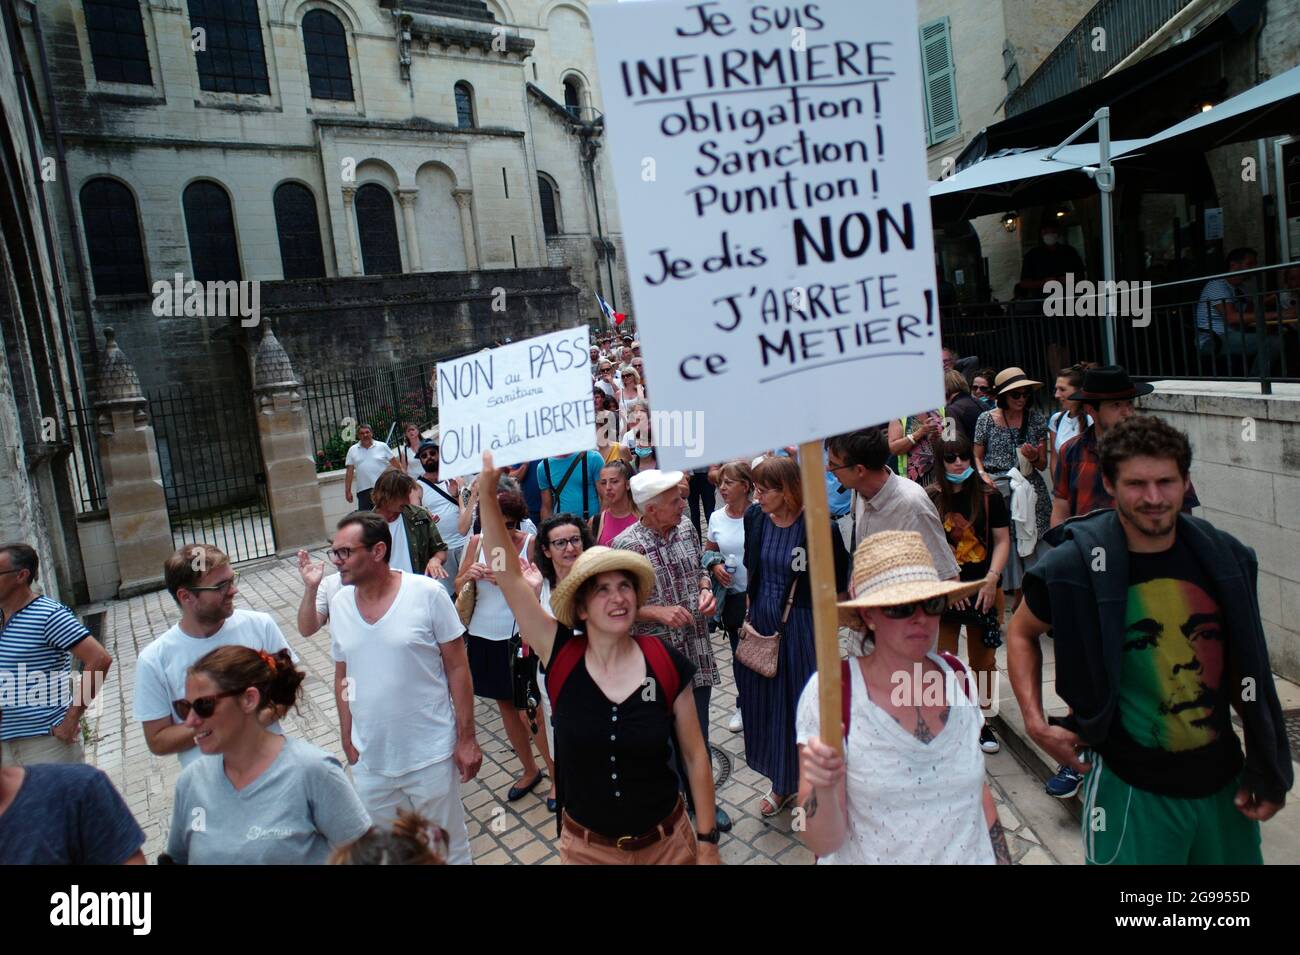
(1064, 784)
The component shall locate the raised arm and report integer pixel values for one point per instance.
(536, 626)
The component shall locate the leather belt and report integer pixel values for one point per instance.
(629, 843)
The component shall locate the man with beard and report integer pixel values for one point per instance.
(202, 582)
(1157, 632)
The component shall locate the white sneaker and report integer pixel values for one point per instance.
(736, 724)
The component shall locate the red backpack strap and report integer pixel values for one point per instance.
(846, 695)
(959, 667)
(562, 664)
(661, 665)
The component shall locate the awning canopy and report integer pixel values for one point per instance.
(1018, 178)
(1270, 109)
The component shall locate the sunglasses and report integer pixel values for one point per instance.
(980, 388)
(932, 606)
(222, 587)
(954, 458)
(204, 706)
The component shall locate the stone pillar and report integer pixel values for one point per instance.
(291, 485)
(464, 198)
(407, 199)
(350, 223)
(128, 454)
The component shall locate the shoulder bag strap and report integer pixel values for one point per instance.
(564, 480)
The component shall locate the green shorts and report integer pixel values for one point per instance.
(1124, 825)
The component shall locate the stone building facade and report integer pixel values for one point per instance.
(276, 140)
(39, 374)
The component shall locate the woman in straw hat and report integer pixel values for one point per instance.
(1010, 430)
(614, 708)
(910, 787)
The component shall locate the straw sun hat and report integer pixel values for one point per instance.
(895, 567)
(598, 560)
(1013, 379)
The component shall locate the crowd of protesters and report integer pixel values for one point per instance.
(586, 596)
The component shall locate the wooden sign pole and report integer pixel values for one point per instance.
(821, 570)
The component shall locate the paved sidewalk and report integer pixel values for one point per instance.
(1039, 831)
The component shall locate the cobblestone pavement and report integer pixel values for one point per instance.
(500, 832)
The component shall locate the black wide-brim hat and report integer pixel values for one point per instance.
(1110, 383)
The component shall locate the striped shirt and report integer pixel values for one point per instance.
(36, 667)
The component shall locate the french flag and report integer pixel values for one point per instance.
(616, 317)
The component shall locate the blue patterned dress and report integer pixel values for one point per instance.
(770, 705)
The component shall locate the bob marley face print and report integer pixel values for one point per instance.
(1171, 679)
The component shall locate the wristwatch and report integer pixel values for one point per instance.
(712, 836)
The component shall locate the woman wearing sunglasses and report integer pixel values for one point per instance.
(268, 799)
(978, 527)
(910, 786)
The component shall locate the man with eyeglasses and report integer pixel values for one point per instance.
(402, 684)
(204, 585)
(38, 638)
(882, 501)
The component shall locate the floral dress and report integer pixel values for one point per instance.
(1000, 444)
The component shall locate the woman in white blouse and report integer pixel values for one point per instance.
(910, 788)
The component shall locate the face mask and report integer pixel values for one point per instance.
(642, 452)
(1050, 240)
(958, 478)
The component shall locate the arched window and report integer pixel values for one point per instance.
(464, 106)
(231, 58)
(117, 44)
(550, 214)
(210, 223)
(108, 215)
(327, 56)
(377, 228)
(573, 97)
(298, 226)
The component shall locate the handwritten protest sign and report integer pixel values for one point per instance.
(522, 402)
(771, 174)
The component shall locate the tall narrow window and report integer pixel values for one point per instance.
(573, 97)
(298, 226)
(546, 193)
(464, 106)
(377, 228)
(108, 215)
(327, 56)
(210, 224)
(229, 51)
(117, 44)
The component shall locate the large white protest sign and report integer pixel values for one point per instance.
(522, 402)
(771, 174)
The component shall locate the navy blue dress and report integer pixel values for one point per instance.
(769, 705)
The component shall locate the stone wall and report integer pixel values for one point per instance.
(1245, 458)
(333, 325)
(99, 555)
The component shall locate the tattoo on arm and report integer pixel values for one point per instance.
(1001, 853)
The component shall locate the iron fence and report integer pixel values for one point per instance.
(84, 471)
(380, 397)
(211, 463)
(1182, 335)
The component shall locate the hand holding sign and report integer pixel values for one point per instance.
(523, 401)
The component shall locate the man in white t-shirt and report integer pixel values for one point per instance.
(201, 580)
(366, 460)
(402, 682)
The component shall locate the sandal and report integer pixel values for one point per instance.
(772, 806)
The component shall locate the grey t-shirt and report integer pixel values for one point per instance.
(293, 814)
